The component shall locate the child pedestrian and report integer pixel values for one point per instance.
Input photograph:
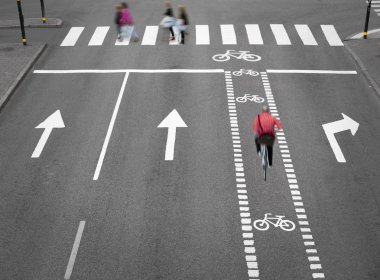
(183, 22)
(127, 23)
(169, 15)
(117, 19)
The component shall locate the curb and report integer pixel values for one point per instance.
(39, 25)
(375, 86)
(21, 76)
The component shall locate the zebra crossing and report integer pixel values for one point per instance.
(227, 35)
(375, 5)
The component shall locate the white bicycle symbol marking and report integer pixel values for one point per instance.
(245, 71)
(277, 221)
(245, 55)
(250, 97)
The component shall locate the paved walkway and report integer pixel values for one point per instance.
(15, 61)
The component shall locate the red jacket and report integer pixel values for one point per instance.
(267, 122)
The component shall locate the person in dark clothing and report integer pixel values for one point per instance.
(118, 14)
(183, 22)
(169, 13)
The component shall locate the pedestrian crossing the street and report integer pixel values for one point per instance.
(225, 34)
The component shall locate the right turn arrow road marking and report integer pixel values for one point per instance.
(172, 121)
(338, 126)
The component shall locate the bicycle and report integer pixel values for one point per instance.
(264, 159)
(264, 224)
(245, 55)
(245, 71)
(250, 97)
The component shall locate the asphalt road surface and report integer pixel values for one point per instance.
(95, 195)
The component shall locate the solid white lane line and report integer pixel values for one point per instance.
(280, 34)
(74, 251)
(72, 37)
(150, 35)
(339, 72)
(202, 35)
(99, 36)
(110, 128)
(100, 71)
(254, 34)
(228, 34)
(331, 35)
(305, 34)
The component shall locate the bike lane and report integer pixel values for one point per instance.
(306, 184)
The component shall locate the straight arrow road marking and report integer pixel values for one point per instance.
(172, 121)
(53, 121)
(338, 126)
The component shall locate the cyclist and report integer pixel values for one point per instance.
(263, 128)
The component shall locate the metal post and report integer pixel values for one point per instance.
(21, 22)
(43, 11)
(367, 19)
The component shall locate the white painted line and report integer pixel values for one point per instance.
(331, 35)
(99, 36)
(360, 35)
(202, 35)
(74, 251)
(72, 37)
(254, 34)
(313, 259)
(150, 35)
(305, 34)
(110, 128)
(318, 275)
(280, 34)
(99, 71)
(339, 72)
(377, 10)
(228, 34)
(315, 266)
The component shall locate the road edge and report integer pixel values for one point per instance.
(358, 61)
(20, 77)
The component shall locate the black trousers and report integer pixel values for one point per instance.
(171, 30)
(270, 150)
(183, 37)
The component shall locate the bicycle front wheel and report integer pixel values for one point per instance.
(252, 57)
(259, 99)
(287, 225)
(221, 57)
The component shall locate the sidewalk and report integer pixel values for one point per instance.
(366, 53)
(31, 22)
(15, 62)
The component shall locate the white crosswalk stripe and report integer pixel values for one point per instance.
(202, 35)
(331, 35)
(227, 33)
(375, 5)
(280, 34)
(150, 35)
(99, 36)
(305, 34)
(254, 34)
(72, 37)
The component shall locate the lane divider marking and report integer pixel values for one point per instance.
(245, 216)
(74, 251)
(307, 237)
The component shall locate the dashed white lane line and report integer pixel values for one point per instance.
(331, 35)
(150, 35)
(228, 34)
(110, 128)
(254, 34)
(280, 34)
(246, 221)
(74, 251)
(307, 237)
(202, 35)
